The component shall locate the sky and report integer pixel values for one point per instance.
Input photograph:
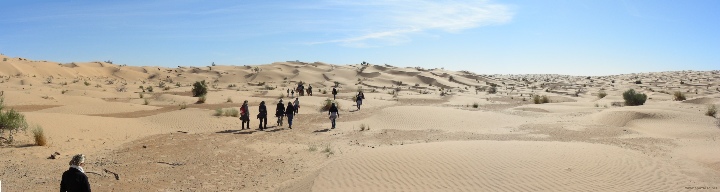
(572, 37)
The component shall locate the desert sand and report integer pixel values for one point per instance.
(418, 130)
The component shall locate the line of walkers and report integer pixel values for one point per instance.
(289, 112)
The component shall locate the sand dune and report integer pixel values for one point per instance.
(414, 137)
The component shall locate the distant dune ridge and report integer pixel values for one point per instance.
(418, 129)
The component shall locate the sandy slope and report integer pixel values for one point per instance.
(414, 139)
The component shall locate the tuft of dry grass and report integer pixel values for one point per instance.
(364, 127)
(201, 99)
(218, 112)
(229, 100)
(232, 112)
(183, 106)
(325, 105)
(601, 94)
(679, 96)
(39, 135)
(146, 102)
(711, 111)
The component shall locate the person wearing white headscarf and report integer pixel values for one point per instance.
(74, 179)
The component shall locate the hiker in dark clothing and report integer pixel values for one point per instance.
(290, 113)
(334, 92)
(245, 115)
(262, 115)
(74, 179)
(280, 112)
(296, 104)
(292, 92)
(334, 114)
(309, 90)
(359, 99)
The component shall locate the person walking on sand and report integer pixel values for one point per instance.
(359, 99)
(245, 115)
(334, 92)
(288, 92)
(262, 116)
(290, 113)
(334, 114)
(309, 90)
(292, 92)
(297, 106)
(74, 179)
(280, 112)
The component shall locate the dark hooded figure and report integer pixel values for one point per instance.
(334, 114)
(280, 112)
(290, 113)
(245, 115)
(334, 92)
(262, 115)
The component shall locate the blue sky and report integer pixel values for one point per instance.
(574, 37)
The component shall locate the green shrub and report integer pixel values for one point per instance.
(11, 121)
(638, 82)
(476, 105)
(711, 111)
(39, 136)
(678, 96)
(601, 94)
(634, 99)
(218, 112)
(199, 88)
(87, 84)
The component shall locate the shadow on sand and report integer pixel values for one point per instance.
(321, 131)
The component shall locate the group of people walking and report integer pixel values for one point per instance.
(283, 111)
(280, 112)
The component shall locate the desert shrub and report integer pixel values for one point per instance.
(312, 148)
(199, 88)
(601, 94)
(201, 99)
(39, 136)
(492, 90)
(146, 102)
(476, 105)
(141, 95)
(537, 99)
(325, 106)
(232, 112)
(87, 84)
(64, 91)
(218, 112)
(711, 111)
(149, 89)
(633, 99)
(678, 96)
(166, 88)
(177, 84)
(638, 82)
(11, 121)
(183, 106)
(229, 100)
(364, 127)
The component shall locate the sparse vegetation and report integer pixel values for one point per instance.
(149, 89)
(638, 82)
(183, 106)
(678, 96)
(87, 84)
(141, 95)
(601, 94)
(201, 99)
(537, 99)
(199, 89)
(711, 111)
(634, 99)
(364, 127)
(312, 148)
(146, 102)
(11, 122)
(325, 106)
(476, 105)
(64, 91)
(229, 100)
(232, 112)
(39, 136)
(492, 90)
(218, 112)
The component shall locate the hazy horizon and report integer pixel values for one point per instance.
(486, 37)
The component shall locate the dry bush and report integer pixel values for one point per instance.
(218, 112)
(39, 136)
(711, 111)
(325, 106)
(601, 94)
(183, 106)
(634, 99)
(201, 100)
(232, 112)
(679, 96)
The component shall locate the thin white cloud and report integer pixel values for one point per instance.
(394, 21)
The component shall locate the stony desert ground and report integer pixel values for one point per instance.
(407, 137)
